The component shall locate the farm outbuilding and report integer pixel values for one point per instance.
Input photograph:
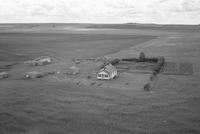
(33, 75)
(107, 73)
(73, 70)
(4, 75)
(41, 61)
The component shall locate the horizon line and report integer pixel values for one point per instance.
(126, 23)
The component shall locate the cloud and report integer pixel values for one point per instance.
(101, 11)
(179, 5)
(175, 11)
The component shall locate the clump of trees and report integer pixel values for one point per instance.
(147, 87)
(159, 66)
(141, 57)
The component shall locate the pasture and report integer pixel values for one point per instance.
(43, 106)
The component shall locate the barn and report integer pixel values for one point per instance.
(107, 73)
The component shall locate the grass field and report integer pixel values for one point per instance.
(46, 107)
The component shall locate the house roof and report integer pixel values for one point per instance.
(109, 68)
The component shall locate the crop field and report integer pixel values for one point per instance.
(186, 68)
(54, 105)
(134, 66)
(172, 68)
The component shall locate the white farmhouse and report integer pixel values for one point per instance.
(107, 73)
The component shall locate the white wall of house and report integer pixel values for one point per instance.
(102, 75)
(114, 74)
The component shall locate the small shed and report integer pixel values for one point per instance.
(107, 73)
(33, 75)
(41, 61)
(4, 75)
(73, 70)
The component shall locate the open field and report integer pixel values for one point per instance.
(58, 106)
(21, 46)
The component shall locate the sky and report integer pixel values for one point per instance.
(100, 11)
